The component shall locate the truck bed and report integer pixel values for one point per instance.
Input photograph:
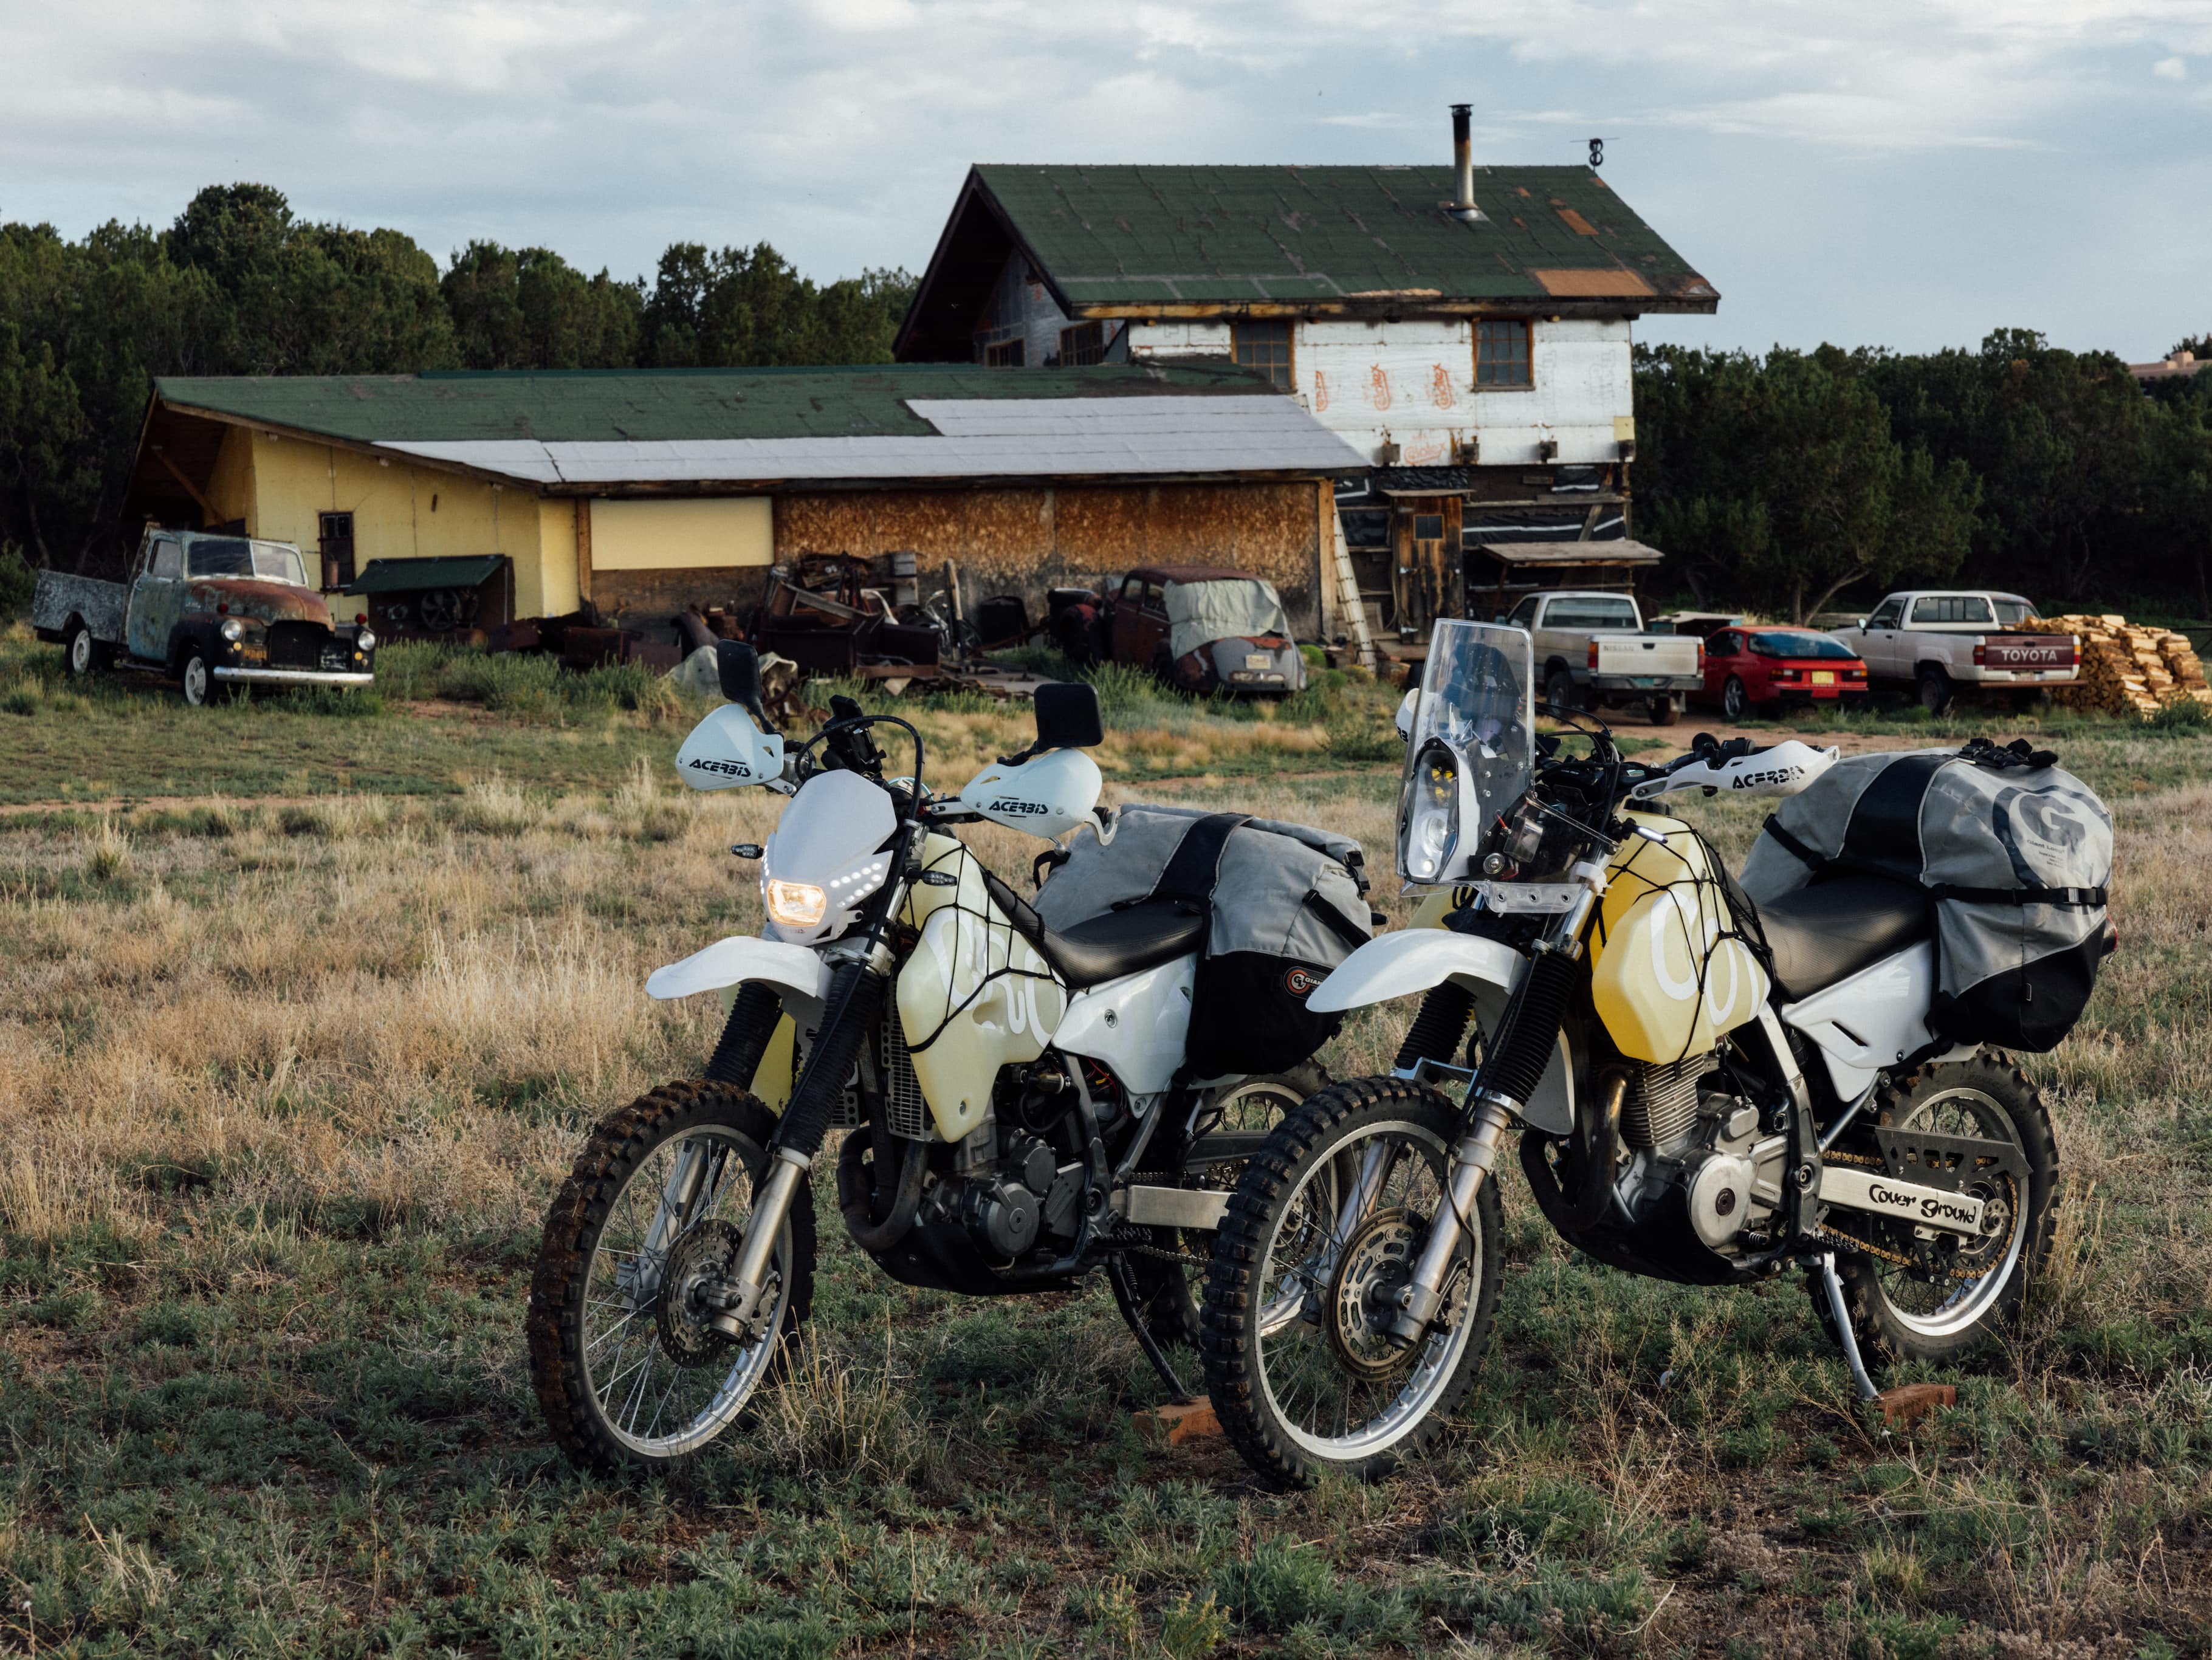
(61, 596)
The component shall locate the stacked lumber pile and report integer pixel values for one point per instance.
(2126, 670)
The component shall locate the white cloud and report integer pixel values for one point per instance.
(2171, 68)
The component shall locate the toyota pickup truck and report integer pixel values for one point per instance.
(208, 610)
(1592, 652)
(1942, 643)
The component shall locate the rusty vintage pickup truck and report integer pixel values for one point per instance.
(208, 610)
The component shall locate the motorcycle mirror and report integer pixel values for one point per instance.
(1067, 716)
(737, 666)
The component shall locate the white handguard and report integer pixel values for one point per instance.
(1047, 795)
(727, 749)
(1781, 769)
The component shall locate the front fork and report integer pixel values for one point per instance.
(1512, 1066)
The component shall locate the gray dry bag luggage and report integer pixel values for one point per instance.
(2014, 850)
(1285, 905)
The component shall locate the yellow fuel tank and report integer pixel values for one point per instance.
(1668, 976)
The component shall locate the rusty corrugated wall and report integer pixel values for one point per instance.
(1025, 541)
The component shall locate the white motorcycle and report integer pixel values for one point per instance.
(1022, 1112)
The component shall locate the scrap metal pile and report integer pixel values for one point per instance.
(2127, 670)
(863, 618)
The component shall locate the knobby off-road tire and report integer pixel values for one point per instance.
(1267, 1338)
(575, 1305)
(1900, 1316)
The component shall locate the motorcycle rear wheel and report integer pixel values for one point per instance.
(1938, 1307)
(626, 1374)
(1321, 1232)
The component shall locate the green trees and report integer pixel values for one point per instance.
(237, 285)
(1779, 484)
(1794, 480)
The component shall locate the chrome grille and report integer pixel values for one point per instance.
(1662, 1102)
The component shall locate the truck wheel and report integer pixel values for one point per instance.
(1735, 699)
(1664, 710)
(1559, 689)
(1935, 691)
(196, 679)
(82, 654)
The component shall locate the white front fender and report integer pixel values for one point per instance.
(1398, 965)
(742, 957)
(1414, 960)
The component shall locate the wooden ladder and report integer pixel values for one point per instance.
(1351, 603)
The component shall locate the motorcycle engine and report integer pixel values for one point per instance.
(1699, 1170)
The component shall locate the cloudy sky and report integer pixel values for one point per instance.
(1861, 171)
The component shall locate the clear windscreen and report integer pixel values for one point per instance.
(1477, 699)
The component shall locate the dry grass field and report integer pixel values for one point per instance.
(288, 1073)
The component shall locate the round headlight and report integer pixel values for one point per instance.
(232, 629)
(364, 640)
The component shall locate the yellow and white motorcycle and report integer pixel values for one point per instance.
(1019, 1096)
(1706, 1091)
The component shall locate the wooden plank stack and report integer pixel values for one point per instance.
(2127, 670)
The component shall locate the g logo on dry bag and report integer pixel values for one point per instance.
(1299, 981)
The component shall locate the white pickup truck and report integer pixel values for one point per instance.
(1942, 642)
(1591, 652)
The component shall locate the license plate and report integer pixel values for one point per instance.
(1824, 676)
(1258, 660)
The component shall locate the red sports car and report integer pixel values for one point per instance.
(1754, 671)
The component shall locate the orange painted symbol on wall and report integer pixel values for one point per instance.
(1440, 386)
(1320, 391)
(1378, 384)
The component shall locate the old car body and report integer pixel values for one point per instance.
(1756, 671)
(1201, 628)
(209, 609)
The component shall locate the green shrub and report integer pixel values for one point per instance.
(17, 582)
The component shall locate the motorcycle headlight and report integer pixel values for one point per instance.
(796, 904)
(364, 640)
(1431, 831)
(233, 628)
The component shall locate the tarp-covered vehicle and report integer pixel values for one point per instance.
(1202, 627)
(208, 610)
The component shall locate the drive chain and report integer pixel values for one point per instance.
(1830, 1232)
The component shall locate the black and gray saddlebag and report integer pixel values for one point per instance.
(1285, 905)
(2014, 850)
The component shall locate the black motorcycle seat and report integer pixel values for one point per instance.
(1830, 930)
(1105, 947)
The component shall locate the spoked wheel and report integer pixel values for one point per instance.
(628, 1368)
(1323, 1233)
(1935, 1297)
(1173, 1282)
(1736, 700)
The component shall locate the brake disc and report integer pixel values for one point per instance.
(697, 1265)
(1373, 1268)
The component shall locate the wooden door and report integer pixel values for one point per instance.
(1429, 570)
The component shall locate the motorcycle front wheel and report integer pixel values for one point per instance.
(1322, 1232)
(628, 1368)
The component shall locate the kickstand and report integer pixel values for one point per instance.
(1124, 1282)
(1833, 1283)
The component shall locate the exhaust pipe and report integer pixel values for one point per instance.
(1462, 207)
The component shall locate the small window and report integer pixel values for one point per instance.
(1886, 614)
(227, 557)
(1523, 614)
(168, 559)
(2012, 610)
(1952, 608)
(1155, 595)
(1265, 346)
(1428, 527)
(1134, 588)
(1501, 354)
(1795, 643)
(1005, 355)
(1722, 645)
(335, 530)
(1085, 342)
(1591, 611)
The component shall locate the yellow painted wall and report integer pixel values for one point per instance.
(230, 490)
(402, 511)
(692, 533)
